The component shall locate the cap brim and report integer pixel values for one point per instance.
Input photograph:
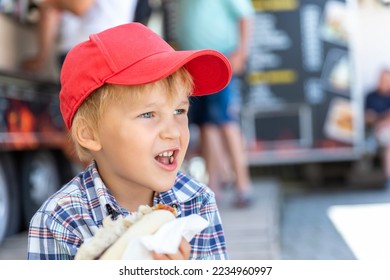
(210, 70)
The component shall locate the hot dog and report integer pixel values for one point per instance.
(110, 240)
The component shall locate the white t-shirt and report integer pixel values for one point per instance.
(102, 15)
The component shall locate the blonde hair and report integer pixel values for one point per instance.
(92, 109)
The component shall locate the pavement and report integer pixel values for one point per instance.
(14, 247)
(336, 223)
(253, 233)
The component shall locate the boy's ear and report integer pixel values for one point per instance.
(87, 138)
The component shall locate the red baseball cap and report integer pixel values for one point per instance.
(132, 54)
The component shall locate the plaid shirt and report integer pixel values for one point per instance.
(75, 212)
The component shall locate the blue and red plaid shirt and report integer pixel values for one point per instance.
(77, 210)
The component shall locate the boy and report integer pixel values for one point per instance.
(124, 98)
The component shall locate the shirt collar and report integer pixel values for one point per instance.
(184, 190)
(107, 202)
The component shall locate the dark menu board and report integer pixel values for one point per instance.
(298, 100)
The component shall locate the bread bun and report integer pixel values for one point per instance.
(110, 241)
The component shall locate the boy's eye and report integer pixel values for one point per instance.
(180, 111)
(146, 115)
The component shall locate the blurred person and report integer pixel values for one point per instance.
(377, 116)
(69, 22)
(223, 25)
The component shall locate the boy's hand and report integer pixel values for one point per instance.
(183, 252)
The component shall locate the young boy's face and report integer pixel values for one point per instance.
(144, 141)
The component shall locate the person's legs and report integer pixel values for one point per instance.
(236, 149)
(231, 132)
(204, 112)
(212, 152)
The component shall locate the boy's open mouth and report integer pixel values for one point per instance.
(167, 157)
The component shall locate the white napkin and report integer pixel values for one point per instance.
(167, 239)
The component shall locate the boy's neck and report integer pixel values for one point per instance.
(131, 202)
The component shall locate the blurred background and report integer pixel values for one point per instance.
(320, 186)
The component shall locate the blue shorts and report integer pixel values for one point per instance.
(217, 108)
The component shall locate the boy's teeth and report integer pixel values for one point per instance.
(166, 154)
(166, 159)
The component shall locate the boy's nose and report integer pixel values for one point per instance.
(170, 130)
